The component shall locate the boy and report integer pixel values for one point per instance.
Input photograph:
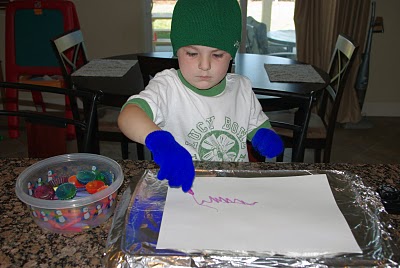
(204, 113)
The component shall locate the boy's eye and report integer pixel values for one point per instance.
(191, 54)
(218, 55)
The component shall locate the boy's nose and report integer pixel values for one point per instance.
(204, 64)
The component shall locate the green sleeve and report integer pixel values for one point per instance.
(266, 124)
(142, 104)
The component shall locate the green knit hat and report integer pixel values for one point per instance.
(212, 23)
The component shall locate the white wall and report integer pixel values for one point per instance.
(383, 93)
(111, 27)
(116, 27)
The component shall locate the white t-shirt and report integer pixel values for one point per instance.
(214, 124)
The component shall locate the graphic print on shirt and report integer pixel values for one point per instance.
(218, 143)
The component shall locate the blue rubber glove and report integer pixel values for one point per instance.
(267, 143)
(176, 164)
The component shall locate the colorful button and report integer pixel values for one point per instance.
(44, 192)
(66, 191)
(109, 177)
(93, 186)
(100, 176)
(75, 182)
(85, 176)
(102, 188)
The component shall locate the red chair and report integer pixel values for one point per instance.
(30, 25)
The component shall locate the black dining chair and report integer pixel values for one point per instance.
(71, 53)
(321, 127)
(47, 124)
(150, 66)
(295, 128)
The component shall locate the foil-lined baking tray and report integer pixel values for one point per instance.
(134, 232)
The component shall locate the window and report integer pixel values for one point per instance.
(161, 23)
(277, 18)
(277, 15)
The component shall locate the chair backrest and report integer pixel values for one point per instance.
(329, 103)
(70, 52)
(84, 125)
(150, 66)
(29, 27)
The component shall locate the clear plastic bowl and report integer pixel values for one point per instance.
(77, 214)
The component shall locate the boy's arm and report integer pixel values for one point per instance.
(266, 141)
(135, 123)
(175, 161)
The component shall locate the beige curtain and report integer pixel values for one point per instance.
(318, 23)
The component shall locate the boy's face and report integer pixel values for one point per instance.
(203, 67)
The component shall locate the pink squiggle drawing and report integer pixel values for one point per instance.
(219, 199)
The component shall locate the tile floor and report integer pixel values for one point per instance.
(379, 144)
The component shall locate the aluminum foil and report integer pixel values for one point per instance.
(133, 236)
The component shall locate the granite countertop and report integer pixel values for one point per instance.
(24, 244)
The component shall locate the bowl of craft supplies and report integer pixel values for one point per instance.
(70, 193)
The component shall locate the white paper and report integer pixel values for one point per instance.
(105, 68)
(296, 216)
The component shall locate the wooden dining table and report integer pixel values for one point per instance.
(299, 94)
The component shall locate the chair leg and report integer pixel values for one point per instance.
(317, 155)
(12, 105)
(125, 149)
(327, 155)
(279, 158)
(253, 155)
(68, 113)
(140, 151)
